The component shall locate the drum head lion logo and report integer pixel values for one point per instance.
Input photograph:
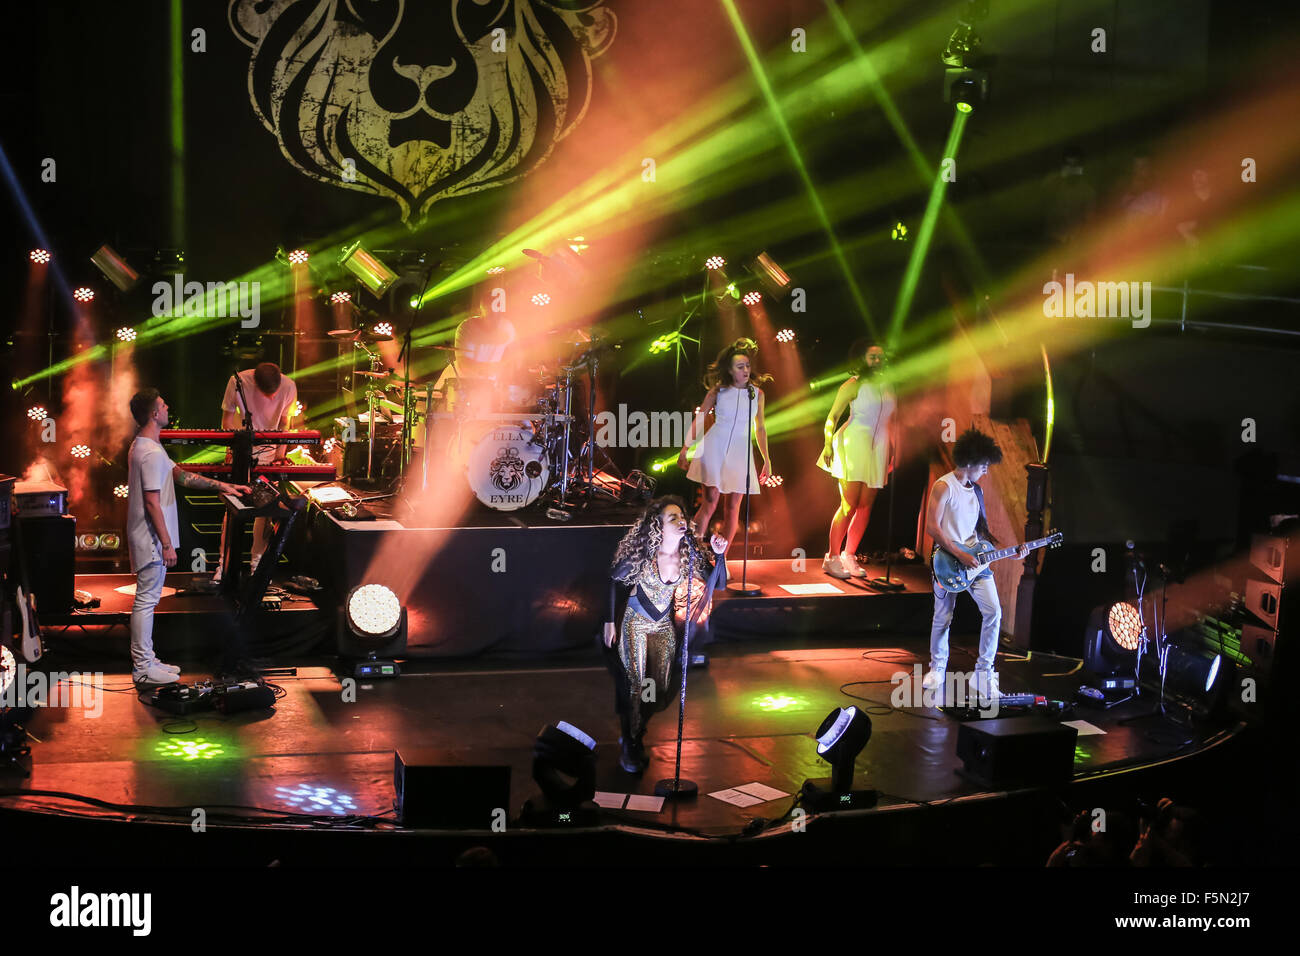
(420, 101)
(507, 469)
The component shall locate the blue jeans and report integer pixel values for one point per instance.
(985, 593)
(148, 590)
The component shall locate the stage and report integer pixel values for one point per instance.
(313, 781)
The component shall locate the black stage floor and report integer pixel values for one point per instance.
(750, 720)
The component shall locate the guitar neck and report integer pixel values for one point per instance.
(1034, 545)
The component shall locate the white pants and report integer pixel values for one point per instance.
(985, 593)
(148, 591)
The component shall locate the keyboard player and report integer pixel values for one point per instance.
(272, 399)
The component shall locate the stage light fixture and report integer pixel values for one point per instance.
(37, 413)
(1191, 672)
(774, 481)
(752, 298)
(382, 328)
(732, 291)
(774, 279)
(329, 445)
(114, 268)
(339, 298)
(373, 610)
(564, 769)
(169, 261)
(126, 334)
(83, 293)
(373, 629)
(785, 335)
(496, 270)
(298, 257)
(87, 542)
(840, 738)
(963, 106)
(121, 491)
(899, 232)
(110, 541)
(964, 43)
(80, 451)
(1110, 647)
(39, 256)
(374, 275)
(541, 298)
(1125, 625)
(714, 263)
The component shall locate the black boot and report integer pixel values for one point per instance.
(627, 758)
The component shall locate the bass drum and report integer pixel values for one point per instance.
(507, 468)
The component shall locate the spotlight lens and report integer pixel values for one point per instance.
(714, 262)
(80, 451)
(828, 740)
(40, 256)
(338, 298)
(541, 299)
(752, 298)
(121, 491)
(298, 256)
(373, 610)
(83, 294)
(1125, 625)
(496, 270)
(964, 107)
(37, 413)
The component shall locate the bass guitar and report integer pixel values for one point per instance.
(954, 576)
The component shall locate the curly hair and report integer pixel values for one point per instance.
(973, 447)
(640, 546)
(718, 375)
(858, 356)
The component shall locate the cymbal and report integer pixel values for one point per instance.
(357, 335)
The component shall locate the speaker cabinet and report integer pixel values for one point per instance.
(1017, 752)
(49, 548)
(437, 789)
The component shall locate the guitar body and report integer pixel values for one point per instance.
(951, 574)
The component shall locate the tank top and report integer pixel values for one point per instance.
(961, 510)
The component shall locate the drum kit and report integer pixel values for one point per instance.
(520, 436)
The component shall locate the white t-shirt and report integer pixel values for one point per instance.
(149, 469)
(268, 411)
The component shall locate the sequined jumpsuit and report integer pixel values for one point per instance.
(647, 639)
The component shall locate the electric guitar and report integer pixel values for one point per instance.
(954, 576)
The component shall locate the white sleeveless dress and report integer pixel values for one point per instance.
(720, 458)
(860, 449)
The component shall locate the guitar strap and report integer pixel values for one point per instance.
(982, 523)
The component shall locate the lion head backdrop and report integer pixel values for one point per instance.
(420, 101)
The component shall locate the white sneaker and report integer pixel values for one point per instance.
(933, 680)
(835, 567)
(166, 667)
(984, 685)
(154, 676)
(850, 563)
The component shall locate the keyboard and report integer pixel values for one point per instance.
(270, 472)
(215, 436)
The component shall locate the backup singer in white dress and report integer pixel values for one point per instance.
(860, 456)
(722, 461)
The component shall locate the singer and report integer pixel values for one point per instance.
(648, 595)
(860, 456)
(722, 460)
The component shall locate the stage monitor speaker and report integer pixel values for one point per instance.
(1017, 752)
(49, 545)
(435, 789)
(1270, 553)
(1264, 600)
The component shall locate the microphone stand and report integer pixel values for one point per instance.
(676, 788)
(743, 588)
(885, 584)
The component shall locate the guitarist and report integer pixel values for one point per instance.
(955, 516)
